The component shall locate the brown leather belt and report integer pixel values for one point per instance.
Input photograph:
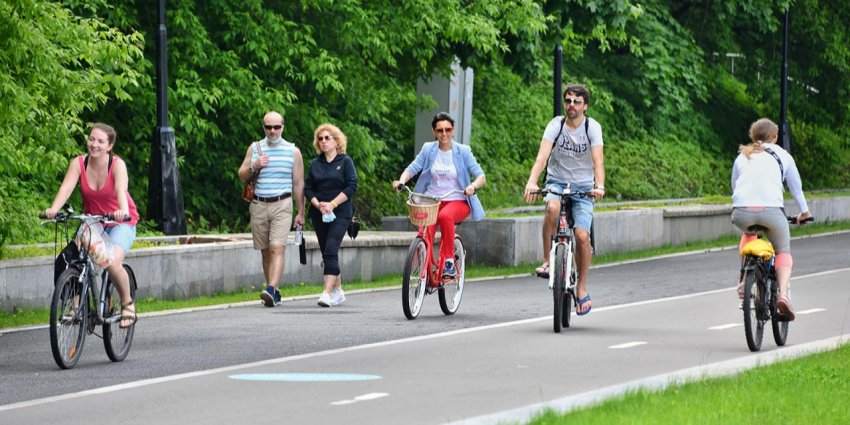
(273, 198)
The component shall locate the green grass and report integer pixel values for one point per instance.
(24, 316)
(806, 390)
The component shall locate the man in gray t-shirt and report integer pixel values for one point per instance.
(571, 151)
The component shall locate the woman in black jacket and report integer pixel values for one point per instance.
(330, 187)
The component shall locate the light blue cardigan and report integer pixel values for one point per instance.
(464, 160)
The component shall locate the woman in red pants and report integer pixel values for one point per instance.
(446, 165)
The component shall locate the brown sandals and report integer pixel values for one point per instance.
(128, 314)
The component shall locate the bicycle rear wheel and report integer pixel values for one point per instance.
(779, 326)
(117, 341)
(559, 286)
(68, 314)
(452, 292)
(753, 309)
(415, 278)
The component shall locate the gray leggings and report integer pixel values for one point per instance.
(772, 218)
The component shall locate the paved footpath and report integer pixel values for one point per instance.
(496, 360)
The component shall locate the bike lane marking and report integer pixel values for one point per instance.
(726, 326)
(364, 397)
(628, 345)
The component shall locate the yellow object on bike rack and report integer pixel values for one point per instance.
(759, 248)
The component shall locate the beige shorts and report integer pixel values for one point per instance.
(270, 222)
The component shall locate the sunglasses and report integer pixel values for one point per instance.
(272, 127)
(576, 101)
(323, 138)
(444, 130)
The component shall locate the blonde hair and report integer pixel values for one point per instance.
(336, 133)
(762, 131)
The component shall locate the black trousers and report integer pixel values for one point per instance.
(330, 238)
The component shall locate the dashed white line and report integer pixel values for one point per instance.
(364, 397)
(811, 310)
(727, 326)
(628, 345)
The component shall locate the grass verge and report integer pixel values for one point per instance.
(25, 317)
(806, 390)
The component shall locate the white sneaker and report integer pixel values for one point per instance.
(337, 296)
(325, 300)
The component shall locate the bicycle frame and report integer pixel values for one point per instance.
(88, 280)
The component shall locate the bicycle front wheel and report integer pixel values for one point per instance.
(452, 292)
(559, 286)
(570, 294)
(117, 341)
(68, 314)
(415, 278)
(754, 305)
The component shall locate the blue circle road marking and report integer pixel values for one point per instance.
(304, 377)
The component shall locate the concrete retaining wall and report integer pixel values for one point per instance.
(181, 271)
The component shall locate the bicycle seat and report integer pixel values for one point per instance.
(759, 248)
(757, 228)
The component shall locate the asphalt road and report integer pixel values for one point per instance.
(497, 353)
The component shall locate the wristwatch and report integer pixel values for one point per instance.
(602, 188)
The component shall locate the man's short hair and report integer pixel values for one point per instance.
(578, 90)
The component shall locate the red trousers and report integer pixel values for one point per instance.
(450, 213)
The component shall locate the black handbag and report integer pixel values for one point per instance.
(67, 256)
(353, 227)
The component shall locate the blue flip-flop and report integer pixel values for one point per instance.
(581, 303)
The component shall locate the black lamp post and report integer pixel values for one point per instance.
(165, 196)
(784, 128)
(558, 78)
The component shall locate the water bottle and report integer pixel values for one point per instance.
(299, 234)
(329, 217)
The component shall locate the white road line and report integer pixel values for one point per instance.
(628, 345)
(721, 327)
(364, 397)
(811, 310)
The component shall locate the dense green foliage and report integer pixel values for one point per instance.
(672, 110)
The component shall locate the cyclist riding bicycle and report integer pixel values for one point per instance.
(446, 165)
(758, 175)
(103, 185)
(571, 151)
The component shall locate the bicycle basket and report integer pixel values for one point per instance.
(422, 209)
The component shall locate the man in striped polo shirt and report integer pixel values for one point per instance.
(280, 175)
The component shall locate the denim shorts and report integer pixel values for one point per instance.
(122, 235)
(582, 206)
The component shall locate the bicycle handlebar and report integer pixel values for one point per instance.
(436, 197)
(793, 219)
(567, 192)
(62, 216)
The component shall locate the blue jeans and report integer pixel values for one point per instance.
(582, 206)
(122, 235)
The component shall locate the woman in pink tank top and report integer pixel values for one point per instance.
(103, 186)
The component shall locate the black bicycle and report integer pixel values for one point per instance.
(760, 290)
(562, 260)
(79, 306)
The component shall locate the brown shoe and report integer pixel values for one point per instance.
(783, 304)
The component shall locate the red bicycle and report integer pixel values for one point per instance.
(422, 271)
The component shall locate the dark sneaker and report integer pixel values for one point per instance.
(449, 271)
(270, 296)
